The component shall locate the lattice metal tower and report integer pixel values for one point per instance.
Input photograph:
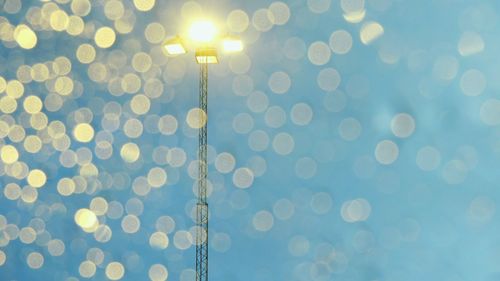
(204, 40)
(202, 204)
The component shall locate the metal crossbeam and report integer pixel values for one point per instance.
(202, 205)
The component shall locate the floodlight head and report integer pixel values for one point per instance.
(232, 44)
(174, 46)
(203, 31)
(206, 56)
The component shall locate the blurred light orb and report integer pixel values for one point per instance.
(262, 20)
(59, 20)
(98, 205)
(158, 240)
(130, 224)
(196, 118)
(472, 82)
(32, 104)
(243, 123)
(370, 32)
(66, 186)
(258, 140)
(115, 271)
(35, 260)
(283, 143)
(279, 82)
(275, 117)
(301, 114)
(243, 178)
(237, 21)
(158, 272)
(9, 154)
(386, 152)
(105, 37)
(350, 129)
(167, 125)
(183, 239)
(402, 125)
(36, 178)
(283, 209)
(191, 10)
(225, 162)
(319, 53)
(489, 112)
(81, 7)
(176, 157)
(25, 37)
(319, 6)
(340, 42)
(280, 12)
(85, 218)
(130, 152)
(328, 79)
(103, 233)
(355, 210)
(155, 33)
(83, 132)
(165, 224)
(321, 203)
(144, 5)
(87, 269)
(263, 221)
(27, 235)
(56, 247)
(157, 177)
(470, 43)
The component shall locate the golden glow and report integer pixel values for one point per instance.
(130, 152)
(232, 45)
(32, 104)
(9, 154)
(37, 178)
(59, 20)
(144, 5)
(25, 37)
(83, 132)
(202, 31)
(174, 46)
(105, 37)
(85, 218)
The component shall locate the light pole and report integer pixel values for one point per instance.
(203, 38)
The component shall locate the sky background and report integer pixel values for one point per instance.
(350, 140)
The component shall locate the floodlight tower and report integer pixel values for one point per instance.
(203, 38)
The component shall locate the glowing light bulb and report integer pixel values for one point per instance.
(232, 45)
(203, 31)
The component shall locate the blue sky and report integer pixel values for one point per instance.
(350, 140)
